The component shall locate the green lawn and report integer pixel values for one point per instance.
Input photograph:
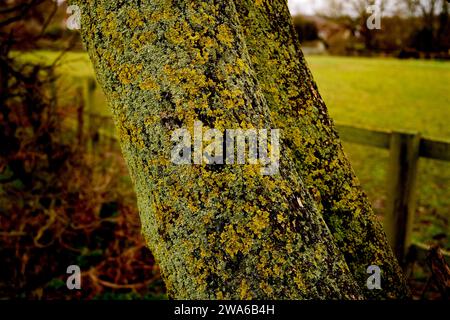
(376, 93)
(386, 93)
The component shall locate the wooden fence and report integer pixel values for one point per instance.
(405, 150)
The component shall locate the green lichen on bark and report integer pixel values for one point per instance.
(297, 107)
(223, 231)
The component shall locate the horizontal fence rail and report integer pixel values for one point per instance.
(428, 148)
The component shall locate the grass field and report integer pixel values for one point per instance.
(375, 93)
(386, 93)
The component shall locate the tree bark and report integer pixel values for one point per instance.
(225, 231)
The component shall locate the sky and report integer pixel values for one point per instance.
(304, 6)
(309, 7)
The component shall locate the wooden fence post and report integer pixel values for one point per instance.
(401, 203)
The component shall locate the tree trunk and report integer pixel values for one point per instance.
(298, 109)
(226, 231)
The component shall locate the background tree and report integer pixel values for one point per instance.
(306, 30)
(226, 231)
(431, 33)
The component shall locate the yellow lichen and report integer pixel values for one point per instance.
(224, 35)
